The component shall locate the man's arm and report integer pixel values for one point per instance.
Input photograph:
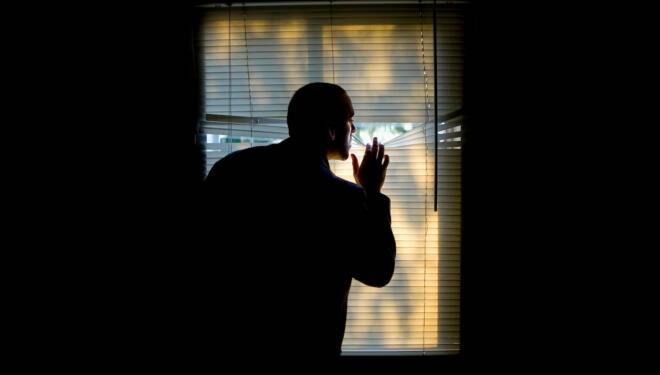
(376, 260)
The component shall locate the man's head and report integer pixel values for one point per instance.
(322, 113)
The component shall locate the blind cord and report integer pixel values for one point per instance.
(249, 81)
(435, 105)
(427, 107)
(332, 42)
(231, 127)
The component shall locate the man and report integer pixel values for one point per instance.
(289, 236)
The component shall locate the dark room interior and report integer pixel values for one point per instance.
(135, 74)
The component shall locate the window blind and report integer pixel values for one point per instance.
(388, 56)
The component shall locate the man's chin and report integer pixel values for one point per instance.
(340, 157)
(346, 153)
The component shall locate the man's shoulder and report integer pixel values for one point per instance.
(246, 154)
(240, 162)
(252, 151)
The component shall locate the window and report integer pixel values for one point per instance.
(404, 73)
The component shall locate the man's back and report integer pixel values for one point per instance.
(281, 245)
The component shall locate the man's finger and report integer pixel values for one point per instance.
(386, 161)
(381, 152)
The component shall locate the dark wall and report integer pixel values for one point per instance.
(152, 78)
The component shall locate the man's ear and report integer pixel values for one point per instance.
(332, 133)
